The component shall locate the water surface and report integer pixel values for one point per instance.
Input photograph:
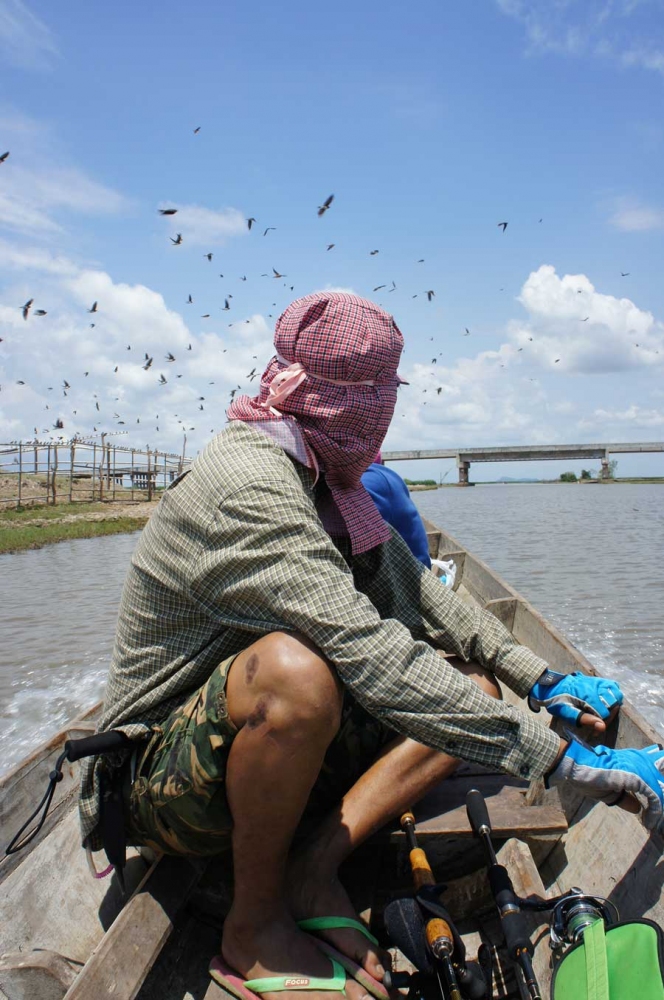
(590, 558)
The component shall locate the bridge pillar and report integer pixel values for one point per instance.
(606, 472)
(463, 472)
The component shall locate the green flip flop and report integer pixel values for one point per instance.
(335, 923)
(250, 989)
(314, 925)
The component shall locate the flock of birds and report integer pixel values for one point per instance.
(148, 360)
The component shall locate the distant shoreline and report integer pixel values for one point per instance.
(658, 480)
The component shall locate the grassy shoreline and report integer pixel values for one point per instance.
(35, 526)
(35, 536)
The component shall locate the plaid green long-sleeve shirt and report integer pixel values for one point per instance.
(236, 550)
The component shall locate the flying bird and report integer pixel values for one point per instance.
(189, 300)
(372, 253)
(331, 246)
(226, 305)
(269, 228)
(40, 312)
(93, 308)
(250, 222)
(162, 380)
(4, 157)
(430, 294)
(625, 274)
(170, 357)
(378, 287)
(168, 211)
(26, 308)
(277, 275)
(197, 130)
(208, 255)
(148, 363)
(322, 209)
(177, 241)
(503, 225)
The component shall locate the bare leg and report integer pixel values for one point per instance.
(400, 776)
(286, 701)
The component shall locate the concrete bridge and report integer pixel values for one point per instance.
(527, 453)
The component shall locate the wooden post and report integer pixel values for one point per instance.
(133, 460)
(184, 449)
(20, 470)
(149, 477)
(114, 461)
(94, 468)
(36, 458)
(101, 467)
(72, 455)
(55, 471)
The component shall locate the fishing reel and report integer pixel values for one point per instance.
(575, 911)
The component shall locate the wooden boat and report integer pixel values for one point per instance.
(65, 934)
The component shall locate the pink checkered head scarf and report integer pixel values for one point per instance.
(334, 375)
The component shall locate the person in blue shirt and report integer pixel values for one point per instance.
(390, 494)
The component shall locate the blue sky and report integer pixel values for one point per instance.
(430, 125)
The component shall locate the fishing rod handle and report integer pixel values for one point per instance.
(478, 814)
(516, 934)
(421, 869)
(502, 888)
(90, 746)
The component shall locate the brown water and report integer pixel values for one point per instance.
(590, 558)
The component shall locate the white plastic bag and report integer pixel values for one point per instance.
(447, 571)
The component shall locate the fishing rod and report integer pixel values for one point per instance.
(519, 945)
(424, 931)
(437, 930)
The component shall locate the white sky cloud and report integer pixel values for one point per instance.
(599, 28)
(635, 416)
(630, 215)
(45, 351)
(25, 40)
(34, 196)
(589, 331)
(207, 227)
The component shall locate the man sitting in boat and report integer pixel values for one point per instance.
(392, 498)
(277, 660)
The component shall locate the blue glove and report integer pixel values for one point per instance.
(607, 775)
(568, 696)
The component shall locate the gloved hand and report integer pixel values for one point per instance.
(569, 696)
(606, 774)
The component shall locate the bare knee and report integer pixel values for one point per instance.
(482, 677)
(284, 681)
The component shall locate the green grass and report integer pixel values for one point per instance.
(34, 536)
(49, 512)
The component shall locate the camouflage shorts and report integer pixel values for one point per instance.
(177, 801)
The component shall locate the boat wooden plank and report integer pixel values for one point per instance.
(433, 540)
(504, 608)
(37, 975)
(22, 789)
(119, 965)
(55, 882)
(443, 812)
